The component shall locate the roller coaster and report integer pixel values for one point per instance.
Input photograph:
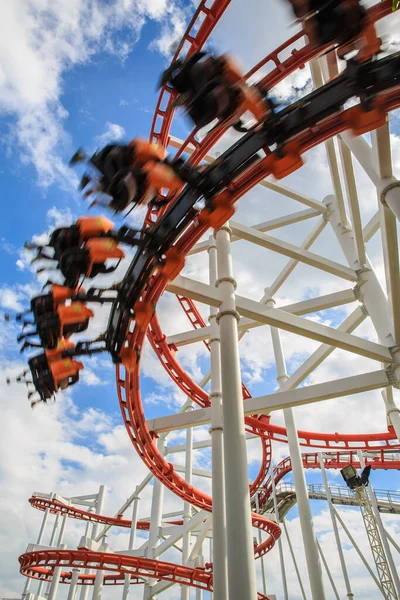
(187, 195)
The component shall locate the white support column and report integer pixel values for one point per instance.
(335, 528)
(98, 581)
(305, 515)
(219, 556)
(99, 509)
(52, 543)
(382, 532)
(85, 588)
(29, 581)
(55, 582)
(294, 560)
(370, 290)
(73, 585)
(392, 411)
(155, 520)
(54, 532)
(240, 550)
(43, 527)
(187, 509)
(131, 545)
(280, 546)
(328, 571)
(95, 529)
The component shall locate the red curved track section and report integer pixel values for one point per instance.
(73, 512)
(129, 388)
(332, 460)
(41, 564)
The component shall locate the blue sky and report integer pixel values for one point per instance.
(81, 77)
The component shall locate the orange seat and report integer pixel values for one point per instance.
(94, 226)
(62, 346)
(76, 312)
(101, 249)
(145, 151)
(63, 369)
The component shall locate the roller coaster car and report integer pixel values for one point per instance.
(74, 236)
(131, 175)
(89, 261)
(212, 88)
(345, 22)
(51, 375)
(47, 302)
(63, 322)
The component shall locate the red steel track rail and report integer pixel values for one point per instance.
(41, 564)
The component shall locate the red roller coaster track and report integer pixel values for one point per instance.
(41, 564)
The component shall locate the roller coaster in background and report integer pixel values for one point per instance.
(186, 195)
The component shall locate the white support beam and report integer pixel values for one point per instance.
(381, 151)
(291, 265)
(349, 324)
(196, 471)
(282, 399)
(201, 444)
(290, 250)
(175, 533)
(296, 217)
(305, 307)
(352, 196)
(283, 320)
(371, 227)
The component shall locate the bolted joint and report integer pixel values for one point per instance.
(223, 228)
(392, 375)
(364, 309)
(215, 395)
(214, 339)
(387, 189)
(212, 429)
(233, 313)
(326, 214)
(358, 295)
(228, 279)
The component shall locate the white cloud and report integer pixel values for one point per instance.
(40, 42)
(113, 133)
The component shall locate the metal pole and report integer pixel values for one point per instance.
(389, 537)
(328, 571)
(360, 554)
(73, 585)
(381, 529)
(55, 527)
(43, 526)
(294, 559)
(98, 581)
(263, 579)
(391, 197)
(392, 411)
(55, 582)
(187, 509)
(240, 550)
(51, 543)
(218, 552)
(155, 520)
(99, 509)
(131, 545)
(335, 527)
(305, 515)
(85, 588)
(280, 547)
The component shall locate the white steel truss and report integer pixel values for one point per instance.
(334, 225)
